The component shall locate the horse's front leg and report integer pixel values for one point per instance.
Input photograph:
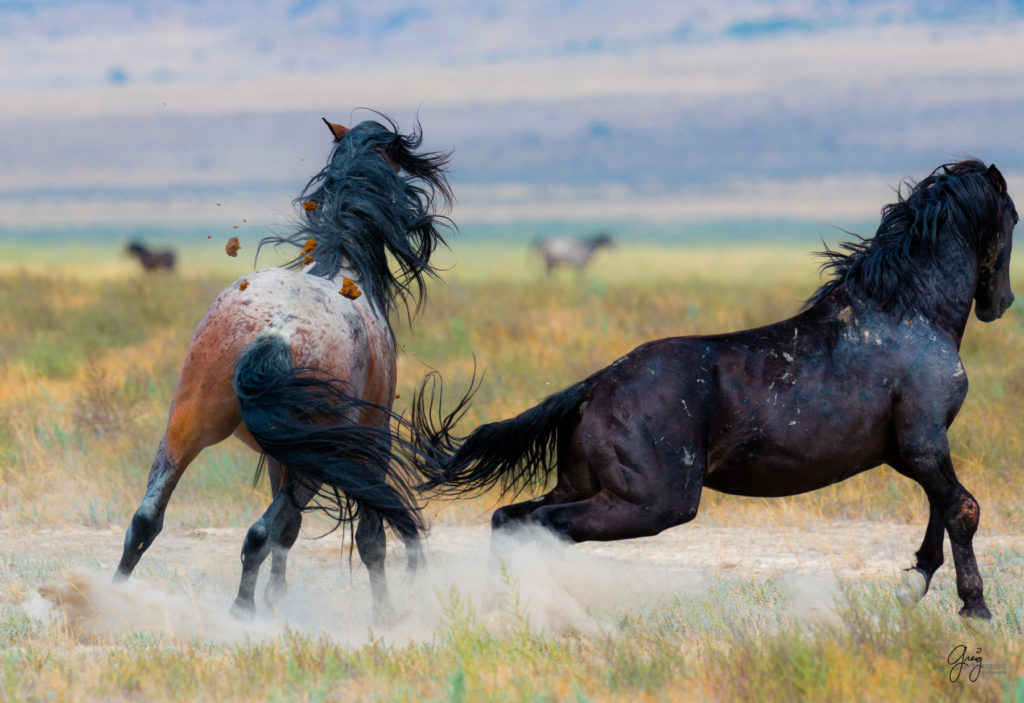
(917, 579)
(952, 507)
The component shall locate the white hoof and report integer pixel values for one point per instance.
(912, 587)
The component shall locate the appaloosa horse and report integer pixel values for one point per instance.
(299, 362)
(571, 252)
(869, 373)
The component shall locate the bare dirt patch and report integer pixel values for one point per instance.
(185, 583)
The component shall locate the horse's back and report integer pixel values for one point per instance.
(778, 410)
(338, 336)
(564, 251)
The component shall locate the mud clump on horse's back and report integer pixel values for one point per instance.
(349, 289)
(232, 246)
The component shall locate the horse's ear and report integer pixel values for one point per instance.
(337, 130)
(996, 179)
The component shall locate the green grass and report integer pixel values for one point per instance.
(89, 362)
(740, 641)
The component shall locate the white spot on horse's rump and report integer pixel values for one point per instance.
(787, 357)
(688, 456)
(277, 332)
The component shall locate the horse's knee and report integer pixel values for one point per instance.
(965, 519)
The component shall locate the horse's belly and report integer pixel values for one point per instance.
(780, 458)
(770, 479)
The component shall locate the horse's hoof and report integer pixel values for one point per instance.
(275, 594)
(976, 617)
(243, 611)
(913, 586)
(385, 617)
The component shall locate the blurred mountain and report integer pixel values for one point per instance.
(145, 111)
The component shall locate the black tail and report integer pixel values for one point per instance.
(513, 453)
(308, 423)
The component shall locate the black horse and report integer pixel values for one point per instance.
(868, 373)
(151, 260)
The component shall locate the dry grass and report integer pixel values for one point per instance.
(90, 355)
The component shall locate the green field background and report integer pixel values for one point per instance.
(90, 347)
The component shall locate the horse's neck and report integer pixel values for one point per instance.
(947, 290)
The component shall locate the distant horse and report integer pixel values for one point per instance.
(162, 260)
(869, 373)
(571, 252)
(299, 362)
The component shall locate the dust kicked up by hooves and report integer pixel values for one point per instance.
(527, 579)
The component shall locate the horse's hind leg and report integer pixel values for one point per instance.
(149, 518)
(636, 486)
(277, 585)
(204, 412)
(608, 516)
(576, 481)
(371, 542)
(278, 524)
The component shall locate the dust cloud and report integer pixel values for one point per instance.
(529, 579)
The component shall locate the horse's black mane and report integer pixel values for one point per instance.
(374, 201)
(956, 199)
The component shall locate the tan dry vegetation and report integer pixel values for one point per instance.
(91, 355)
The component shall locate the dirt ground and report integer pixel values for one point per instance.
(186, 581)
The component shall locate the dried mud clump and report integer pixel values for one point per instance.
(310, 246)
(233, 246)
(349, 289)
(243, 285)
(310, 205)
